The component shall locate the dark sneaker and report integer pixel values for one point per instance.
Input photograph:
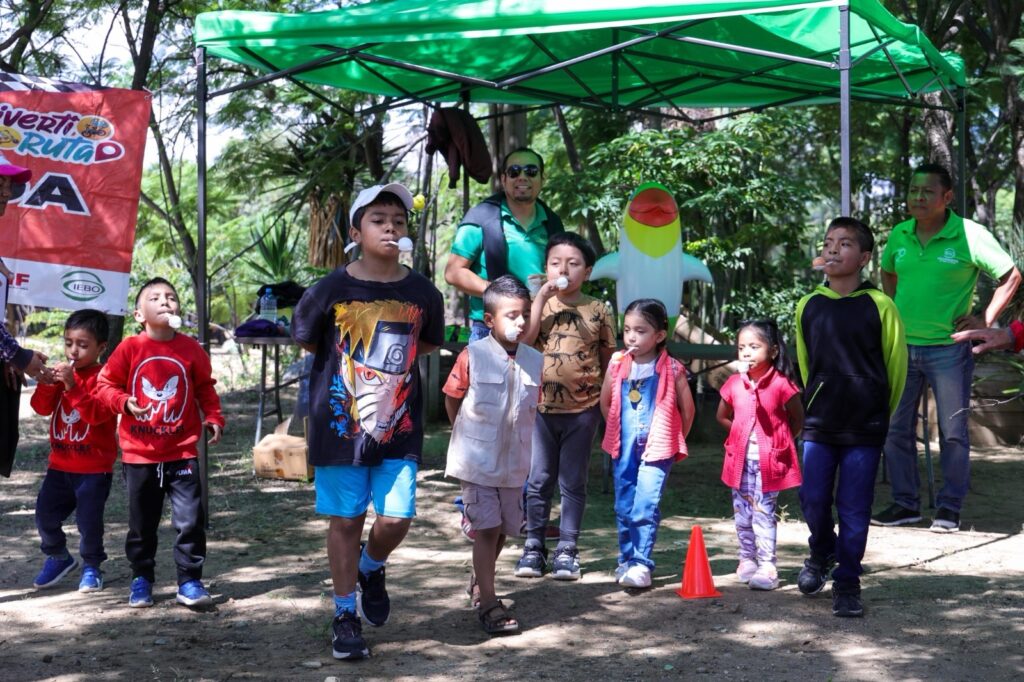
(194, 595)
(895, 515)
(347, 637)
(53, 571)
(814, 574)
(92, 580)
(141, 594)
(372, 598)
(532, 563)
(945, 521)
(565, 565)
(846, 603)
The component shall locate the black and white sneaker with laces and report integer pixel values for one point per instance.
(533, 562)
(814, 575)
(896, 515)
(347, 637)
(945, 521)
(372, 598)
(565, 565)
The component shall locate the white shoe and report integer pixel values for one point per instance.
(746, 570)
(620, 571)
(766, 578)
(636, 575)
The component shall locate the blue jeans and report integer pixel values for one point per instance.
(948, 369)
(856, 466)
(477, 330)
(63, 492)
(638, 489)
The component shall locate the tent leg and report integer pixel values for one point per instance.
(961, 151)
(844, 108)
(201, 291)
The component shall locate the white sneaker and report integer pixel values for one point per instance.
(766, 578)
(620, 571)
(746, 570)
(636, 575)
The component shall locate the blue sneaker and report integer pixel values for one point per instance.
(54, 570)
(193, 594)
(92, 580)
(141, 594)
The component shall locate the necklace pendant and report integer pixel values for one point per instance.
(633, 395)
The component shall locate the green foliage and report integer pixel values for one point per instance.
(277, 249)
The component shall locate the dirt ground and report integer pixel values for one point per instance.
(938, 607)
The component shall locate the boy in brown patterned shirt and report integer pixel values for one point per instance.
(577, 336)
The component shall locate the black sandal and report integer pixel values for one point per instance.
(497, 619)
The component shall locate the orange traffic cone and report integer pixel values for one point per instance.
(697, 580)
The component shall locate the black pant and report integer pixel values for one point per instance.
(147, 484)
(10, 400)
(63, 492)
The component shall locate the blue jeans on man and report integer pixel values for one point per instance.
(855, 467)
(948, 370)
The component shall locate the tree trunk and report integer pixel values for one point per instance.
(577, 168)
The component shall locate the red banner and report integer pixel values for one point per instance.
(69, 233)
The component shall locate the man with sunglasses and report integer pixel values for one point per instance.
(504, 234)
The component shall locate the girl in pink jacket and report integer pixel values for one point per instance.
(761, 408)
(648, 408)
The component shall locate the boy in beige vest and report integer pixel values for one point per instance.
(491, 398)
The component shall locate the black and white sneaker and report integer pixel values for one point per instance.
(945, 521)
(565, 565)
(533, 562)
(347, 637)
(372, 598)
(814, 575)
(896, 515)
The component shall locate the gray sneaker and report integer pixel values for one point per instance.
(566, 563)
(532, 563)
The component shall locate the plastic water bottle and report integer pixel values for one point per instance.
(268, 307)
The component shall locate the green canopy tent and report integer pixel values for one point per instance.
(656, 56)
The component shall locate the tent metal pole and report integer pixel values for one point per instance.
(961, 151)
(202, 301)
(844, 107)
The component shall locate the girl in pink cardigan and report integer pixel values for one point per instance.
(761, 408)
(648, 408)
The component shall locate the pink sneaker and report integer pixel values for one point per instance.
(746, 570)
(766, 578)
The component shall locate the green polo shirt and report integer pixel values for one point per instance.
(525, 250)
(935, 283)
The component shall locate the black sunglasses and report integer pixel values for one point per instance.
(531, 171)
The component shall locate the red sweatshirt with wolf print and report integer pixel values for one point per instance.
(173, 379)
(82, 427)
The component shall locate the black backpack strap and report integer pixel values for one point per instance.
(487, 214)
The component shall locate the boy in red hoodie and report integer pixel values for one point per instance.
(161, 383)
(82, 453)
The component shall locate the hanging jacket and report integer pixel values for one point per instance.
(457, 136)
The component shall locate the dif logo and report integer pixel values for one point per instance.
(82, 285)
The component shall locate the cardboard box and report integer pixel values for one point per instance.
(279, 455)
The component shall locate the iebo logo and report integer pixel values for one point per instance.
(82, 285)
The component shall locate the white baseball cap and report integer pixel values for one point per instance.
(368, 195)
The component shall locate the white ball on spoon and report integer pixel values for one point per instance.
(405, 244)
(562, 282)
(173, 321)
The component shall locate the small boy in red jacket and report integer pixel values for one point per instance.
(82, 453)
(161, 383)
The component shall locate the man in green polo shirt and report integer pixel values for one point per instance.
(930, 267)
(505, 234)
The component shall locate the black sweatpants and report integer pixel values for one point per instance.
(147, 484)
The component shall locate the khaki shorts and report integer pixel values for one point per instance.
(490, 507)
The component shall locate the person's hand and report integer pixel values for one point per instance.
(12, 377)
(215, 432)
(965, 322)
(548, 289)
(132, 408)
(991, 339)
(36, 368)
(64, 372)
